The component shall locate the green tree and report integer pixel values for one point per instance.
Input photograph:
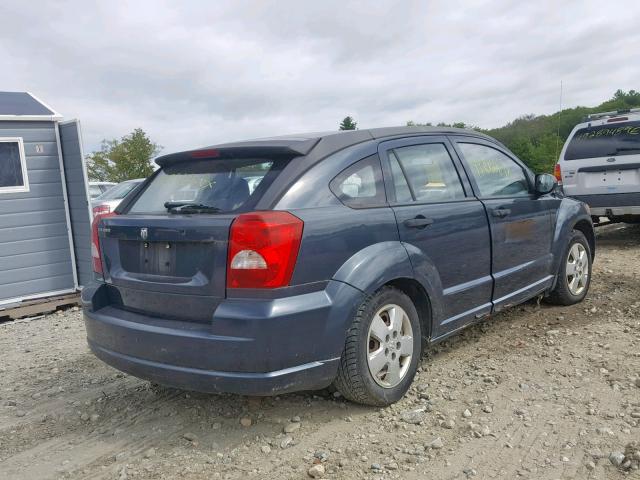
(124, 159)
(348, 123)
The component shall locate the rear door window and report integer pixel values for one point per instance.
(400, 184)
(360, 185)
(222, 186)
(425, 173)
(609, 140)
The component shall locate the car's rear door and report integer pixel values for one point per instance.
(442, 225)
(520, 220)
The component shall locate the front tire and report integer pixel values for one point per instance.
(382, 350)
(574, 275)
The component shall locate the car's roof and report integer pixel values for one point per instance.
(620, 119)
(317, 144)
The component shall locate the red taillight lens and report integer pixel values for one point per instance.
(557, 172)
(101, 210)
(96, 254)
(263, 249)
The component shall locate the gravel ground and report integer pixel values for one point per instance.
(536, 392)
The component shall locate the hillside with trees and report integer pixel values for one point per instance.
(538, 139)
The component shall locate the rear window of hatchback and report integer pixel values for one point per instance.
(234, 185)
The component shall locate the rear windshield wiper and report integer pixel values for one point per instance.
(189, 207)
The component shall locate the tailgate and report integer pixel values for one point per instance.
(596, 176)
(165, 259)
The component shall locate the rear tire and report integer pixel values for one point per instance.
(382, 350)
(574, 274)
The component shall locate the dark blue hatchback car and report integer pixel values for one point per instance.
(293, 263)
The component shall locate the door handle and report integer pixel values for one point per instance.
(417, 222)
(500, 212)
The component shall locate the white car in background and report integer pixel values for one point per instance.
(98, 188)
(600, 165)
(108, 201)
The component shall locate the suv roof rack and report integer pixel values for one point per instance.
(615, 113)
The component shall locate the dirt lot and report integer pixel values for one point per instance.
(536, 392)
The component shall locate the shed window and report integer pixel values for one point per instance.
(13, 168)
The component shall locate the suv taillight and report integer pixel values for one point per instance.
(263, 249)
(96, 254)
(557, 172)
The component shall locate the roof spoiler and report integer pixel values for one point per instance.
(268, 148)
(615, 113)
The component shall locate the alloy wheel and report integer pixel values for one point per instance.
(577, 270)
(390, 346)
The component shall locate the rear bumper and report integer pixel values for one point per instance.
(615, 204)
(309, 376)
(251, 346)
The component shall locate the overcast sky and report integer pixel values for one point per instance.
(196, 73)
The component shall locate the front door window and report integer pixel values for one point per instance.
(496, 174)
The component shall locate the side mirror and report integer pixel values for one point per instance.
(545, 183)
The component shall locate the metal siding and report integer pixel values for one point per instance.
(79, 212)
(34, 248)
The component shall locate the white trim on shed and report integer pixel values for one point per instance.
(23, 164)
(15, 301)
(56, 115)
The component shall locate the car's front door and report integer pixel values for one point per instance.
(520, 221)
(442, 225)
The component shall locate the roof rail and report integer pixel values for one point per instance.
(596, 116)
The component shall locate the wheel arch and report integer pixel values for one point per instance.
(571, 215)
(586, 227)
(389, 263)
(420, 298)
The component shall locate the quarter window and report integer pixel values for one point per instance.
(496, 174)
(428, 172)
(13, 168)
(360, 185)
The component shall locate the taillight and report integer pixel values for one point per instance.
(101, 210)
(263, 249)
(96, 254)
(557, 172)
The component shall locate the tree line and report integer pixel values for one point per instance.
(536, 139)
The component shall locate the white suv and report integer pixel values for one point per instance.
(600, 165)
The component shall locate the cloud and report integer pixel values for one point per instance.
(197, 73)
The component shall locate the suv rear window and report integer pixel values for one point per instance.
(605, 141)
(222, 185)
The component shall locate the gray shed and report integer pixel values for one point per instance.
(45, 213)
